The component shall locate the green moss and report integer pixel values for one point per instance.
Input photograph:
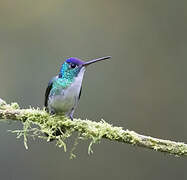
(14, 105)
(2, 103)
(39, 124)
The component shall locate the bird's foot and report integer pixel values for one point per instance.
(71, 116)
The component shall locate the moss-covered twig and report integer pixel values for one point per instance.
(95, 131)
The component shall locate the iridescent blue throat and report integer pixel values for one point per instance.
(66, 76)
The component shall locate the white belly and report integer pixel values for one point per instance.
(67, 100)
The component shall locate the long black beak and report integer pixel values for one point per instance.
(95, 60)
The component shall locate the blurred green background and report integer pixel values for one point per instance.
(142, 88)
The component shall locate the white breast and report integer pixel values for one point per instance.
(68, 98)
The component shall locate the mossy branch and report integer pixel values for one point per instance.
(95, 131)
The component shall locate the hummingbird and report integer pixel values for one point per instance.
(64, 90)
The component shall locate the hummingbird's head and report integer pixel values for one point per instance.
(73, 66)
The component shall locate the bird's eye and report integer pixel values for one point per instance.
(73, 65)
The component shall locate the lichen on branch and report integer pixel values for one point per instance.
(38, 123)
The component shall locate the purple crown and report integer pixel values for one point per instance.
(75, 61)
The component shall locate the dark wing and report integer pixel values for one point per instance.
(48, 89)
(80, 92)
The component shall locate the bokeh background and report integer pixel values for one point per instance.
(143, 87)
